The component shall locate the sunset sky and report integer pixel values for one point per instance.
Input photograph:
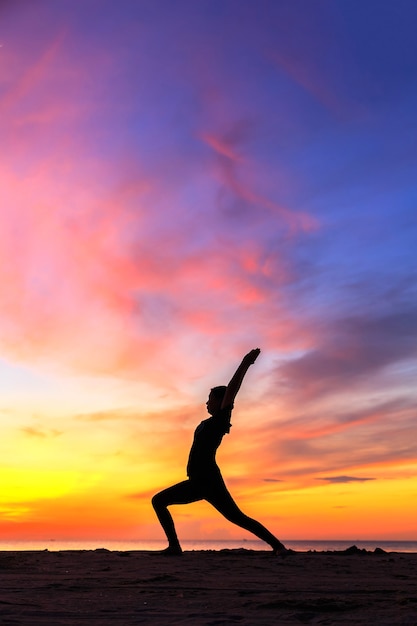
(182, 181)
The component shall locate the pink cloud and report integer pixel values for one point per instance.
(305, 73)
(103, 266)
(30, 76)
(230, 169)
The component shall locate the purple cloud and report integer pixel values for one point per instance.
(351, 349)
(345, 479)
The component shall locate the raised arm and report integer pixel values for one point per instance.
(237, 378)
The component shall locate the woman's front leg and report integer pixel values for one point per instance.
(181, 493)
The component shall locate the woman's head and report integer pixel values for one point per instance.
(215, 399)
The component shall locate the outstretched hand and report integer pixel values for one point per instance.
(252, 355)
(237, 378)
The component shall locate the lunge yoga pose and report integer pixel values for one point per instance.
(205, 481)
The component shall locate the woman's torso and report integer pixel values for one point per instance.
(207, 437)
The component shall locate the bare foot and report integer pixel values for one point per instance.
(283, 552)
(172, 551)
(279, 549)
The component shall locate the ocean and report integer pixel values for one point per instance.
(126, 546)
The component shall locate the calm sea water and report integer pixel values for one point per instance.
(298, 545)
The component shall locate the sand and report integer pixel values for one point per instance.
(245, 587)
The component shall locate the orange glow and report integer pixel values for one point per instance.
(123, 458)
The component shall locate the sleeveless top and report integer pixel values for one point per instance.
(207, 437)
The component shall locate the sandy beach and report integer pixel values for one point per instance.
(206, 587)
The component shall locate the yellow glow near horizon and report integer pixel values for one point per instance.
(23, 485)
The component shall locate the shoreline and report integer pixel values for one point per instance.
(350, 551)
(229, 586)
(201, 545)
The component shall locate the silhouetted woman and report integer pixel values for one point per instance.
(205, 481)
